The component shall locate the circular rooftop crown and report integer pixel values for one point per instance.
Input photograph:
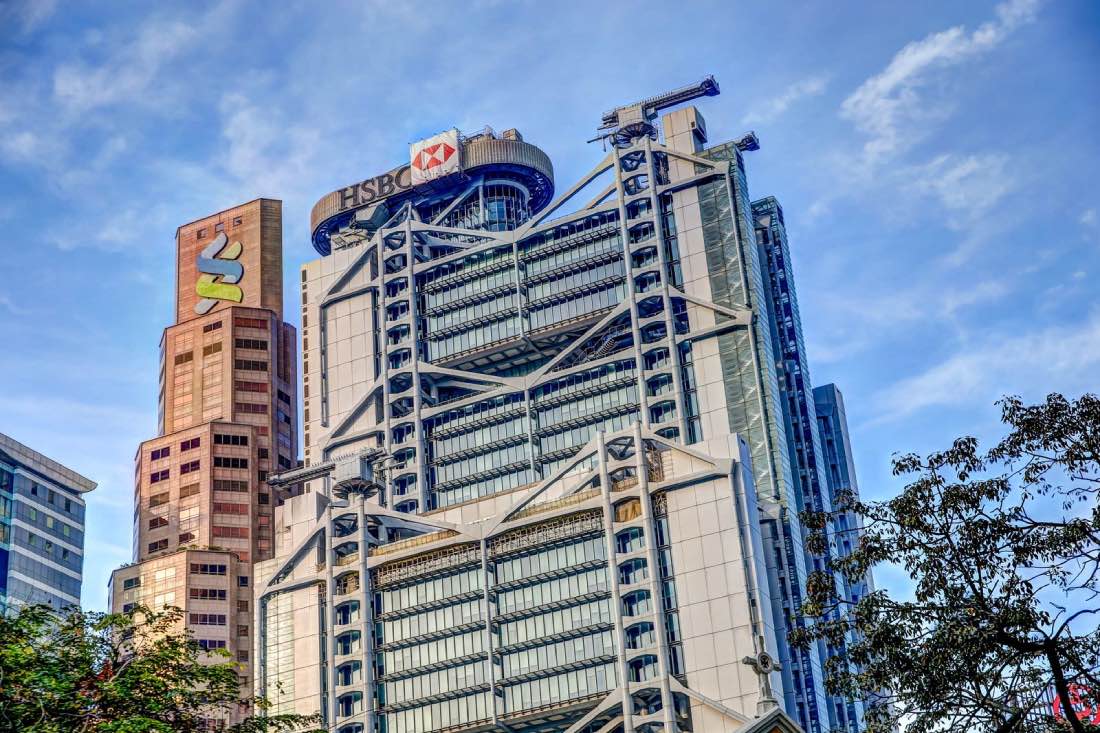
(481, 154)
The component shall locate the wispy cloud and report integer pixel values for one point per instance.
(1062, 357)
(127, 73)
(771, 109)
(890, 107)
(968, 188)
(28, 15)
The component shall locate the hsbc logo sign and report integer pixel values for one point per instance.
(436, 157)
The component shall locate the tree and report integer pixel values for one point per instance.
(130, 672)
(1003, 548)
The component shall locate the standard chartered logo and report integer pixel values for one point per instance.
(220, 270)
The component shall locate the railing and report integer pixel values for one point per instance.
(549, 506)
(417, 541)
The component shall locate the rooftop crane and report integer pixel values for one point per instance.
(625, 124)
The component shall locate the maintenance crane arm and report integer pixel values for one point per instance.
(648, 108)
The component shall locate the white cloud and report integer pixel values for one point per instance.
(889, 106)
(1056, 358)
(31, 14)
(127, 73)
(968, 186)
(1088, 218)
(776, 106)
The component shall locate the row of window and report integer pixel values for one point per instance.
(432, 652)
(428, 591)
(481, 436)
(440, 715)
(585, 248)
(577, 307)
(483, 487)
(219, 227)
(561, 285)
(477, 464)
(464, 315)
(559, 688)
(475, 337)
(554, 622)
(555, 655)
(208, 594)
(588, 405)
(571, 586)
(429, 622)
(433, 683)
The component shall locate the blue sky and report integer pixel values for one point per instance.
(937, 163)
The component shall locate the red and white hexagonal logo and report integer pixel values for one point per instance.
(435, 157)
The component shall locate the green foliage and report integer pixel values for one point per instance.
(133, 672)
(1004, 551)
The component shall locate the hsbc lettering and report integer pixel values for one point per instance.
(376, 188)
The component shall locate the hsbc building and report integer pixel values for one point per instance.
(546, 483)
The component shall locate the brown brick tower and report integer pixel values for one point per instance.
(203, 513)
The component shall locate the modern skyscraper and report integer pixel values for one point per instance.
(202, 510)
(549, 479)
(41, 529)
(840, 476)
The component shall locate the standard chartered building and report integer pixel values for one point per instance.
(547, 485)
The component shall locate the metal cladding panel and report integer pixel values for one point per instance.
(515, 156)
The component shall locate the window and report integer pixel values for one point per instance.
(219, 227)
(251, 408)
(242, 606)
(188, 490)
(186, 537)
(190, 444)
(251, 386)
(68, 505)
(242, 630)
(242, 656)
(158, 522)
(265, 498)
(158, 500)
(242, 581)
(227, 462)
(283, 396)
(189, 467)
(234, 532)
(230, 439)
(208, 594)
(259, 344)
(211, 326)
(202, 568)
(250, 365)
(228, 485)
(250, 323)
(160, 453)
(158, 545)
(158, 476)
(208, 619)
(131, 583)
(50, 496)
(184, 358)
(127, 607)
(236, 221)
(264, 453)
(213, 348)
(222, 507)
(200, 234)
(209, 644)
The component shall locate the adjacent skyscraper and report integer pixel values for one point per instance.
(41, 529)
(553, 467)
(202, 510)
